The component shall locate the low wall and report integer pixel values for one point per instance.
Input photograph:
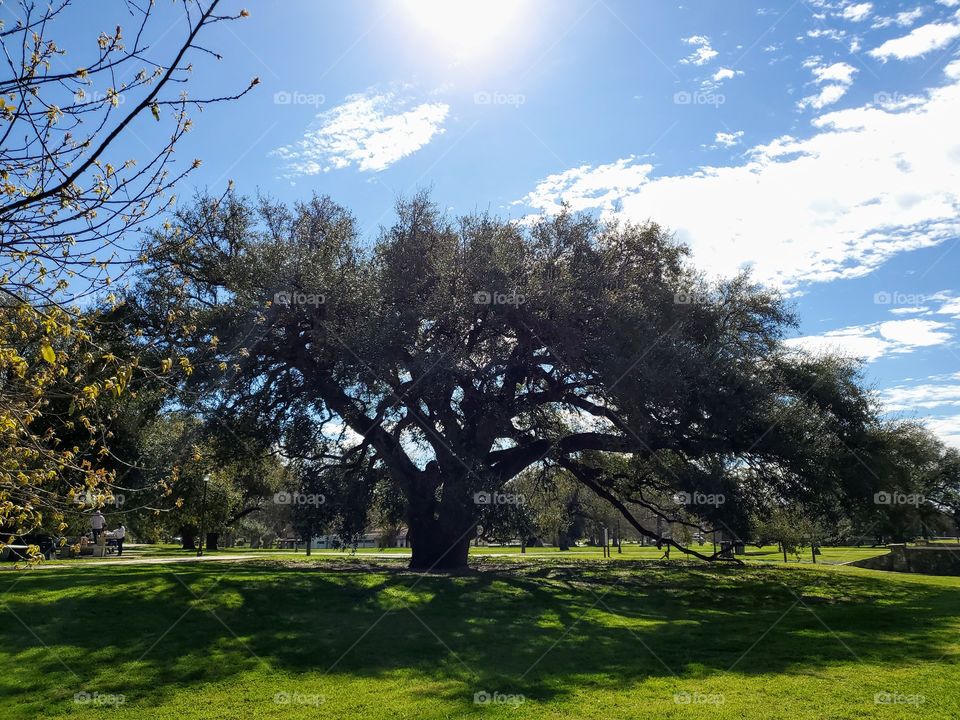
(930, 560)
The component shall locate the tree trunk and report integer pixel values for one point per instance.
(188, 538)
(563, 541)
(440, 543)
(437, 549)
(212, 541)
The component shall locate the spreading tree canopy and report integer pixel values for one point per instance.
(452, 354)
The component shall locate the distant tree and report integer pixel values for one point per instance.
(337, 499)
(460, 352)
(910, 468)
(946, 485)
(789, 527)
(506, 517)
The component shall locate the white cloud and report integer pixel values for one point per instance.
(948, 428)
(725, 74)
(728, 139)
(868, 184)
(909, 334)
(878, 339)
(840, 72)
(587, 187)
(839, 77)
(937, 394)
(858, 12)
(927, 395)
(828, 95)
(703, 54)
(369, 130)
(918, 42)
(951, 307)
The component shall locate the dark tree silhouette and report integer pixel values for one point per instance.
(456, 353)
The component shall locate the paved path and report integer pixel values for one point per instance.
(153, 560)
(238, 557)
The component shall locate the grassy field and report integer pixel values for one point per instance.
(363, 638)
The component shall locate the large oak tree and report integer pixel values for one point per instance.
(452, 354)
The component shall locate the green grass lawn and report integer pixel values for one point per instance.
(831, 555)
(363, 638)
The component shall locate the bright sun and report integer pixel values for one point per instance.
(466, 27)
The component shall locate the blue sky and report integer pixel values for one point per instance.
(815, 142)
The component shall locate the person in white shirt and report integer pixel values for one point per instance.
(119, 534)
(97, 521)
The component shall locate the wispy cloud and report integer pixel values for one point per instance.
(935, 392)
(727, 139)
(370, 131)
(586, 187)
(829, 33)
(903, 19)
(703, 53)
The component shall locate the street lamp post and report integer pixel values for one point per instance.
(203, 514)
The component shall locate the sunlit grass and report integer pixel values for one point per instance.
(587, 638)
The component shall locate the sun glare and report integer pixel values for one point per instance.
(466, 27)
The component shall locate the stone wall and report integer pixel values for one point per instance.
(930, 560)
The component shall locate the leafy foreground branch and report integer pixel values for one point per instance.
(71, 194)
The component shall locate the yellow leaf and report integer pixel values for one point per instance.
(48, 354)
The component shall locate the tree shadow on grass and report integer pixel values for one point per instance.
(533, 628)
